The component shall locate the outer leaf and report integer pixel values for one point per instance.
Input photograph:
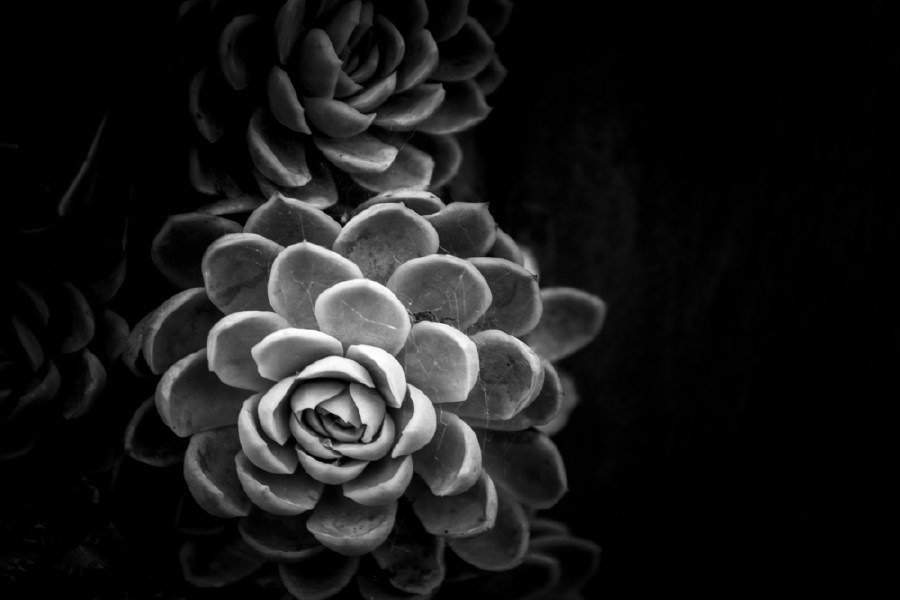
(571, 319)
(536, 578)
(299, 274)
(38, 394)
(465, 515)
(503, 547)
(289, 27)
(505, 247)
(409, 16)
(71, 319)
(419, 201)
(527, 464)
(84, 380)
(361, 311)
(278, 153)
(318, 66)
(441, 361)
(362, 153)
(405, 110)
(446, 17)
(541, 411)
(493, 14)
(412, 558)
(237, 208)
(283, 102)
(465, 54)
(335, 118)
(466, 229)
(132, 357)
(464, 107)
(411, 169)
(288, 351)
(446, 152)
(516, 307)
(148, 440)
(236, 271)
(419, 60)
(191, 399)
(279, 538)
(577, 558)
(217, 561)
(286, 221)
(110, 336)
(210, 473)
(391, 44)
(569, 401)
(451, 462)
(190, 519)
(442, 288)
(178, 328)
(239, 48)
(319, 577)
(416, 422)
(229, 346)
(492, 76)
(278, 494)
(320, 192)
(348, 528)
(178, 248)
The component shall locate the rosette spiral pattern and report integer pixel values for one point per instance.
(286, 96)
(345, 386)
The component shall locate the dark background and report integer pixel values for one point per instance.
(725, 178)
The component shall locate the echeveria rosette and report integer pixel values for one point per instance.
(374, 90)
(338, 380)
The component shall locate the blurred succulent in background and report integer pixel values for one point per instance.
(305, 96)
(347, 392)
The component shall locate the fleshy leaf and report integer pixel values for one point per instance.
(331, 473)
(190, 398)
(466, 229)
(543, 527)
(441, 361)
(516, 305)
(209, 170)
(446, 152)
(410, 169)
(451, 462)
(446, 17)
(230, 344)
(570, 399)
(542, 410)
(409, 16)
(71, 318)
(31, 347)
(361, 311)
(110, 336)
(236, 272)
(283, 102)
(275, 406)
(178, 248)
(419, 60)
(278, 494)
(463, 107)
(335, 118)
(526, 464)
(571, 319)
(536, 578)
(383, 236)
(38, 394)
(318, 66)
(289, 27)
(205, 104)
(503, 547)
(148, 440)
(211, 475)
(132, 356)
(373, 95)
(386, 372)
(509, 378)
(373, 451)
(336, 367)
(465, 54)
(278, 153)
(320, 192)
(238, 208)
(491, 77)
(391, 44)
(178, 327)
(319, 577)
(286, 221)
(577, 558)
(416, 422)
(282, 539)
(506, 248)
(239, 48)
(348, 528)
(288, 351)
(412, 558)
(260, 449)
(190, 519)
(383, 481)
(492, 14)
(442, 288)
(419, 201)
(84, 379)
(405, 110)
(363, 153)
(342, 24)
(464, 515)
(217, 561)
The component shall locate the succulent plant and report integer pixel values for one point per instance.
(290, 96)
(349, 391)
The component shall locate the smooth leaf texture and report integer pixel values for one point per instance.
(466, 229)
(442, 288)
(527, 464)
(275, 493)
(348, 528)
(464, 515)
(299, 274)
(83, 382)
(451, 462)
(416, 422)
(236, 272)
(283, 102)
(465, 54)
(509, 377)
(266, 454)
(387, 374)
(441, 361)
(209, 169)
(289, 27)
(411, 168)
(373, 94)
(446, 17)
(320, 192)
(288, 351)
(505, 247)
(570, 399)
(277, 538)
(516, 297)
(362, 153)
(463, 107)
(229, 346)
(412, 558)
(542, 410)
(208, 112)
(535, 579)
(503, 547)
(132, 355)
(320, 576)
(335, 118)
(331, 473)
(148, 440)
(211, 475)
(191, 399)
(71, 322)
(177, 328)
(419, 60)
(361, 311)
(577, 558)
(383, 481)
(239, 49)
(404, 111)
(419, 201)
(318, 66)
(492, 14)
(571, 319)
(238, 208)
(278, 153)
(492, 76)
(383, 236)
(286, 221)
(217, 561)
(445, 151)
(178, 248)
